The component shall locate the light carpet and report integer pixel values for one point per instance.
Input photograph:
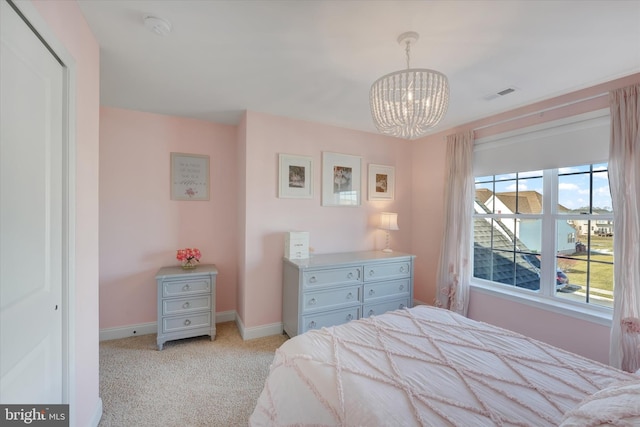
(191, 382)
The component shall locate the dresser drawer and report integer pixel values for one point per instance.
(387, 271)
(397, 288)
(321, 320)
(334, 297)
(183, 323)
(186, 287)
(185, 305)
(332, 276)
(382, 307)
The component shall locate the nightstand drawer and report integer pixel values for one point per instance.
(382, 307)
(186, 305)
(391, 288)
(183, 323)
(332, 276)
(333, 297)
(387, 271)
(186, 287)
(329, 319)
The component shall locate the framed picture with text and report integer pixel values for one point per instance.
(340, 179)
(295, 177)
(189, 176)
(382, 182)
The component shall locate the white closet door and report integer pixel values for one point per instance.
(31, 171)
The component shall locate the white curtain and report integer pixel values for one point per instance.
(624, 179)
(454, 272)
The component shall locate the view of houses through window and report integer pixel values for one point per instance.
(547, 231)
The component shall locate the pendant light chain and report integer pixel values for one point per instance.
(407, 49)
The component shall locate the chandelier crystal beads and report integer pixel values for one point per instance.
(407, 103)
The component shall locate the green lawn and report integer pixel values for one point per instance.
(601, 267)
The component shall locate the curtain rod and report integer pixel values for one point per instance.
(540, 112)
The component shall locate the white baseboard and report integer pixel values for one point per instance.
(258, 331)
(226, 316)
(128, 331)
(151, 327)
(97, 414)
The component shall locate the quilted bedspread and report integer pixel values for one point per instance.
(424, 366)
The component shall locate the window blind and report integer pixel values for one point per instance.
(573, 141)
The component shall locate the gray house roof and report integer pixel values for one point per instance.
(494, 258)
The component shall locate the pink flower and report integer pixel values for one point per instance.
(631, 325)
(188, 254)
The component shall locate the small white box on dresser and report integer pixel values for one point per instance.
(296, 244)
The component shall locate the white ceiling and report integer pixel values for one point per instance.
(316, 60)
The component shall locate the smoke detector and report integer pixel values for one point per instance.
(159, 26)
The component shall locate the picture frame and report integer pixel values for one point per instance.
(295, 177)
(340, 179)
(189, 177)
(382, 181)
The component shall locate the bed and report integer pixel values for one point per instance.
(431, 367)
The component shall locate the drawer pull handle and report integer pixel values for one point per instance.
(402, 269)
(402, 287)
(187, 322)
(371, 312)
(349, 316)
(350, 275)
(312, 301)
(312, 324)
(186, 287)
(371, 272)
(350, 295)
(186, 305)
(401, 306)
(372, 292)
(312, 279)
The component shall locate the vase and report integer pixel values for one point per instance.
(189, 264)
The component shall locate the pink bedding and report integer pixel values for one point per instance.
(424, 366)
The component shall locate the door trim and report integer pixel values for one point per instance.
(42, 29)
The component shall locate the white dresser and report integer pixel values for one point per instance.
(186, 302)
(331, 289)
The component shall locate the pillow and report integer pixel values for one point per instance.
(617, 405)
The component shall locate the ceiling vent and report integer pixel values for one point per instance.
(503, 92)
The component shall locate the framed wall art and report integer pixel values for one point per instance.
(340, 179)
(382, 181)
(189, 176)
(295, 178)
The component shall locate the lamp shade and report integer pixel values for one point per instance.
(389, 221)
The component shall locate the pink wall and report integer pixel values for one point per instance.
(67, 23)
(428, 154)
(242, 228)
(586, 338)
(332, 229)
(141, 227)
(241, 202)
(427, 211)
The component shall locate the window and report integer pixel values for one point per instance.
(530, 233)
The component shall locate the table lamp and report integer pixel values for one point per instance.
(388, 221)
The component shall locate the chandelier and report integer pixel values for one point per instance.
(407, 103)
